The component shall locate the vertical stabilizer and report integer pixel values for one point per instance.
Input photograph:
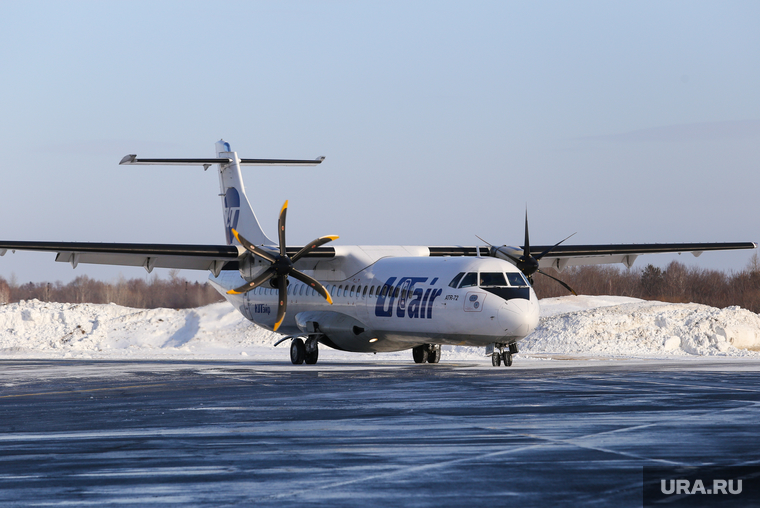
(238, 213)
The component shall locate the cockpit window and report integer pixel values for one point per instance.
(490, 279)
(455, 281)
(517, 279)
(469, 280)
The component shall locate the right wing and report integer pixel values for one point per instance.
(193, 257)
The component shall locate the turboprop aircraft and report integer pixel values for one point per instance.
(361, 298)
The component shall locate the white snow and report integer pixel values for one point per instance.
(618, 326)
(584, 325)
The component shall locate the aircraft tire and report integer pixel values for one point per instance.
(297, 351)
(496, 359)
(420, 354)
(507, 358)
(434, 356)
(311, 358)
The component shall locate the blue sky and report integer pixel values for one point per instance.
(623, 121)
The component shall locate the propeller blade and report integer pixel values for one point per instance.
(312, 283)
(526, 246)
(313, 245)
(563, 284)
(547, 251)
(282, 297)
(281, 228)
(510, 256)
(253, 248)
(258, 281)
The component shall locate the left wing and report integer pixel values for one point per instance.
(574, 255)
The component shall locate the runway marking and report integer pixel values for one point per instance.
(82, 391)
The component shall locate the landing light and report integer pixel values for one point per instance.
(374, 339)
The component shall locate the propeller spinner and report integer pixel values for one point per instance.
(282, 267)
(527, 263)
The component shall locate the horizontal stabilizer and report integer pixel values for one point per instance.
(132, 159)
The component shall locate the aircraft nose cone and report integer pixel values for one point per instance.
(518, 317)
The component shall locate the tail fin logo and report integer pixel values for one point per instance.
(231, 213)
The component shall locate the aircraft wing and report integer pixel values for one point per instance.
(216, 258)
(575, 255)
(192, 257)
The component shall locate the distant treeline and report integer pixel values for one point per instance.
(677, 283)
(173, 293)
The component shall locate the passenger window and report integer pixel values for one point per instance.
(517, 279)
(455, 281)
(332, 290)
(365, 291)
(352, 290)
(490, 279)
(371, 291)
(469, 280)
(385, 290)
(395, 293)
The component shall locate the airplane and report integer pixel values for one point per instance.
(361, 298)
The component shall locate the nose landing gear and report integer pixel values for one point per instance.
(497, 357)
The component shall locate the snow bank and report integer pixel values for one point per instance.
(35, 328)
(600, 325)
(627, 326)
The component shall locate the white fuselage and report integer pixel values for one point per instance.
(397, 303)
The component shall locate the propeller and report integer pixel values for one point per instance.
(282, 267)
(526, 263)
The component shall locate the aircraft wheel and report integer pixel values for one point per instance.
(434, 356)
(420, 354)
(507, 358)
(311, 358)
(496, 359)
(297, 351)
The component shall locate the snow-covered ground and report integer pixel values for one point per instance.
(584, 325)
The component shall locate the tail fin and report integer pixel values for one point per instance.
(238, 213)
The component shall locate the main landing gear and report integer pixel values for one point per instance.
(301, 351)
(430, 353)
(502, 356)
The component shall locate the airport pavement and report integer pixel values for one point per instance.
(541, 433)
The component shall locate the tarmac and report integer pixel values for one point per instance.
(562, 432)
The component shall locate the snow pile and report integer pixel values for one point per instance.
(627, 326)
(598, 325)
(35, 328)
